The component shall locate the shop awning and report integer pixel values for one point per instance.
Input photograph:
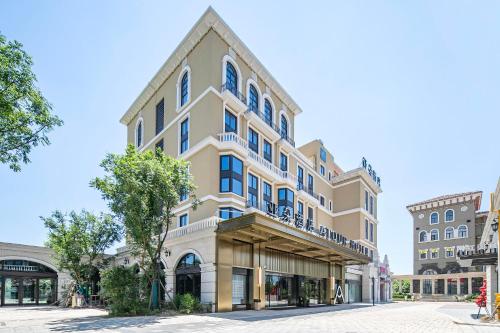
(259, 228)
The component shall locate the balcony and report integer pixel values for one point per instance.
(258, 160)
(268, 127)
(233, 98)
(301, 187)
(206, 224)
(287, 139)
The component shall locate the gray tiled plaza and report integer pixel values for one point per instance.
(395, 317)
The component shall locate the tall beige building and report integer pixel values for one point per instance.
(278, 223)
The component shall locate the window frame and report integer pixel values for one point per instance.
(252, 192)
(160, 116)
(446, 233)
(251, 134)
(446, 215)
(423, 232)
(139, 122)
(230, 174)
(179, 103)
(183, 138)
(282, 154)
(463, 226)
(434, 232)
(430, 218)
(231, 114)
(185, 215)
(267, 157)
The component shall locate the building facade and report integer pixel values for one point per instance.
(442, 227)
(29, 276)
(278, 223)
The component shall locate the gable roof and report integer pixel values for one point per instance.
(209, 20)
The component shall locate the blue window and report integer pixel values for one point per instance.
(267, 193)
(160, 116)
(268, 112)
(184, 135)
(231, 78)
(322, 170)
(184, 88)
(462, 231)
(268, 151)
(434, 235)
(285, 201)
(449, 216)
(300, 177)
(310, 218)
(253, 99)
(310, 182)
(300, 208)
(253, 140)
(322, 154)
(183, 220)
(231, 175)
(284, 127)
(283, 162)
(434, 218)
(226, 213)
(253, 191)
(230, 122)
(138, 134)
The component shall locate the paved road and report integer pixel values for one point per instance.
(395, 317)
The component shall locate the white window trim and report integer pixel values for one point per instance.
(259, 93)
(303, 207)
(179, 219)
(139, 121)
(187, 69)
(437, 255)
(453, 211)
(324, 200)
(466, 230)
(430, 233)
(269, 98)
(262, 181)
(420, 254)
(430, 218)
(446, 252)
(278, 122)
(227, 58)
(452, 233)
(426, 236)
(287, 160)
(179, 123)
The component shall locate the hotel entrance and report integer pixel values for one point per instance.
(296, 290)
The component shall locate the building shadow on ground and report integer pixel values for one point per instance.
(101, 323)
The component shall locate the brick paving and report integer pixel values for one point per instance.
(395, 317)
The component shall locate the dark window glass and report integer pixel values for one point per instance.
(322, 170)
(310, 182)
(371, 232)
(366, 200)
(184, 88)
(285, 201)
(310, 215)
(253, 140)
(322, 201)
(184, 135)
(231, 78)
(300, 208)
(139, 134)
(267, 195)
(434, 218)
(229, 213)
(284, 127)
(268, 112)
(371, 205)
(283, 162)
(253, 99)
(160, 116)
(183, 220)
(159, 145)
(449, 215)
(230, 122)
(322, 154)
(231, 174)
(268, 151)
(253, 191)
(300, 177)
(366, 229)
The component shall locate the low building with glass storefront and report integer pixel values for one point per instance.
(278, 223)
(29, 276)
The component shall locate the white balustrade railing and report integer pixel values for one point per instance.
(20, 268)
(209, 223)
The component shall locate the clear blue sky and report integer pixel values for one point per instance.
(414, 87)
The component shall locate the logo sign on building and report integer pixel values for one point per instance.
(370, 170)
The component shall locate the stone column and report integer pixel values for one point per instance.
(411, 286)
(421, 282)
(169, 284)
(469, 282)
(433, 283)
(208, 283)
(446, 286)
(259, 278)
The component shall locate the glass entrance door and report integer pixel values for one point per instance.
(11, 292)
(279, 290)
(29, 291)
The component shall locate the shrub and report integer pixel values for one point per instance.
(121, 288)
(187, 303)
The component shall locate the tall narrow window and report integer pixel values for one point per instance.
(284, 127)
(322, 154)
(366, 229)
(371, 205)
(300, 208)
(310, 183)
(253, 191)
(268, 112)
(285, 201)
(310, 216)
(160, 116)
(366, 200)
(253, 140)
(434, 218)
(138, 134)
(231, 78)
(184, 88)
(230, 122)
(231, 175)
(267, 194)
(371, 232)
(253, 99)
(283, 162)
(322, 170)
(322, 200)
(300, 177)
(268, 151)
(184, 142)
(449, 215)
(183, 220)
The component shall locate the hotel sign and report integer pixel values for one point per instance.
(370, 170)
(297, 220)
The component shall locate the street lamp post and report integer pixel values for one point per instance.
(373, 290)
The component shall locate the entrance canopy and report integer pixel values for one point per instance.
(258, 228)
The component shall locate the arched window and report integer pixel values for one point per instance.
(449, 215)
(139, 130)
(422, 236)
(231, 78)
(434, 218)
(188, 275)
(462, 231)
(253, 99)
(284, 127)
(268, 112)
(448, 233)
(184, 88)
(434, 235)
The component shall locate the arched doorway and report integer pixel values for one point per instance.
(24, 282)
(188, 275)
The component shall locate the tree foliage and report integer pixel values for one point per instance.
(25, 115)
(142, 190)
(79, 241)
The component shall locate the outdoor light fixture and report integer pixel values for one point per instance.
(494, 225)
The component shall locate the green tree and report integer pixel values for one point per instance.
(79, 241)
(142, 189)
(25, 115)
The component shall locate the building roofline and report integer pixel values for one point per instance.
(209, 20)
(446, 200)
